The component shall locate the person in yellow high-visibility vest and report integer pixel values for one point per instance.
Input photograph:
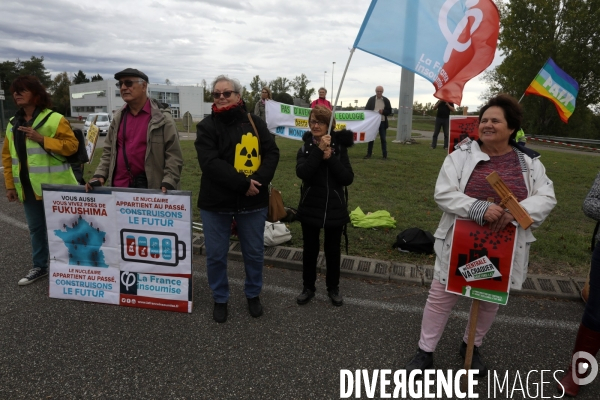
(36, 144)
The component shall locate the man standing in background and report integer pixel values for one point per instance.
(442, 119)
(382, 106)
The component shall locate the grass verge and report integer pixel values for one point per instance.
(404, 184)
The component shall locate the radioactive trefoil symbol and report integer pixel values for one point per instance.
(247, 157)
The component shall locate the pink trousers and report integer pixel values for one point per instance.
(437, 310)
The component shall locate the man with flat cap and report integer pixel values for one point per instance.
(141, 149)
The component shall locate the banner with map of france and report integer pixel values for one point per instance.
(128, 247)
(556, 85)
(447, 42)
(292, 121)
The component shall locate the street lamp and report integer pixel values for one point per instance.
(356, 104)
(324, 75)
(332, 68)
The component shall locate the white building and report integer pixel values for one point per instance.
(103, 96)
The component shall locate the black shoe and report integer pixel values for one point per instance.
(335, 297)
(220, 312)
(476, 362)
(33, 275)
(255, 308)
(305, 296)
(384, 158)
(422, 360)
(367, 157)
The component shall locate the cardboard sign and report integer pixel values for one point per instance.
(462, 128)
(90, 141)
(481, 261)
(129, 247)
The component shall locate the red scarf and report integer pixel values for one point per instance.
(219, 110)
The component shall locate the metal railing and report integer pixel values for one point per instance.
(569, 140)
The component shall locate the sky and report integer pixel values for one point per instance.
(187, 41)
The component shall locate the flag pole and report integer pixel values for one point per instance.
(340, 88)
(534, 79)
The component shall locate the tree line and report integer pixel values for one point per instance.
(533, 31)
(58, 86)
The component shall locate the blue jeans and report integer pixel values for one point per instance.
(36, 220)
(441, 123)
(591, 314)
(251, 232)
(382, 132)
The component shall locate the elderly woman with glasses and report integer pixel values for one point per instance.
(259, 108)
(238, 158)
(324, 167)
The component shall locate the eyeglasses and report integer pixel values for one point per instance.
(128, 83)
(313, 122)
(226, 94)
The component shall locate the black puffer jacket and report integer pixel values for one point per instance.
(218, 140)
(322, 201)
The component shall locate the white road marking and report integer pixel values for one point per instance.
(13, 221)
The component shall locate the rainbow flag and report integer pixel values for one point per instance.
(554, 84)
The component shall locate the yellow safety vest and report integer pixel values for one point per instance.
(43, 168)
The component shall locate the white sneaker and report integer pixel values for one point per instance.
(33, 275)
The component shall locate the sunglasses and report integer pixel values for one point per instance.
(127, 83)
(226, 94)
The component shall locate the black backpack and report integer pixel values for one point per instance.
(415, 240)
(80, 156)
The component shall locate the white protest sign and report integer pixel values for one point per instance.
(292, 121)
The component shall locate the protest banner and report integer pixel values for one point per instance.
(292, 121)
(128, 247)
(90, 141)
(481, 261)
(462, 128)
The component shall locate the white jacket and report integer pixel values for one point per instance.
(450, 197)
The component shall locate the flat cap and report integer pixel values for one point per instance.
(131, 72)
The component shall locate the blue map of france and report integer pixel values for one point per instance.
(83, 242)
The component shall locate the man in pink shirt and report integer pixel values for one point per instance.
(321, 101)
(141, 149)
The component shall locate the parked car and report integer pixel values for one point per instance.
(103, 122)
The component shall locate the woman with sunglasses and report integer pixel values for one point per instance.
(324, 167)
(36, 144)
(237, 162)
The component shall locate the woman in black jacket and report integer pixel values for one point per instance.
(237, 163)
(324, 167)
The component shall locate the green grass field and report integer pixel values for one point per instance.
(404, 184)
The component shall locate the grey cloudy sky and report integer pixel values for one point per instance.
(186, 41)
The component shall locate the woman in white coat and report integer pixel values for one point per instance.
(462, 191)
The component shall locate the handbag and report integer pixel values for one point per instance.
(276, 208)
(276, 233)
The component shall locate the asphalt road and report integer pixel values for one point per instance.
(61, 349)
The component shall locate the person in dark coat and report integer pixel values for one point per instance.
(237, 163)
(324, 167)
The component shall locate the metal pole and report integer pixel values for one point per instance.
(340, 88)
(324, 76)
(332, 70)
(407, 88)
